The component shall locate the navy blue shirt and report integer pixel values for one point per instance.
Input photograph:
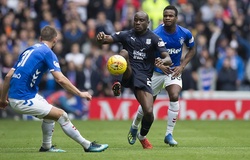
(141, 49)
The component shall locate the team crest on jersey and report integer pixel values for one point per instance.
(181, 40)
(148, 41)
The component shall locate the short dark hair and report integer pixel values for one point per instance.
(48, 33)
(172, 8)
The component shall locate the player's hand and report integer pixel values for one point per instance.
(177, 71)
(86, 95)
(100, 36)
(4, 104)
(165, 68)
(167, 61)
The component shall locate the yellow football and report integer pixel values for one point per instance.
(116, 65)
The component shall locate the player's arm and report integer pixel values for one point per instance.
(189, 55)
(179, 69)
(5, 89)
(103, 38)
(166, 59)
(164, 63)
(68, 86)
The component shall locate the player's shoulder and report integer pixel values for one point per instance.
(183, 29)
(159, 28)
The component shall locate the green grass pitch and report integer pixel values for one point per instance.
(198, 140)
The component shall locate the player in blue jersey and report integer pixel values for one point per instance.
(139, 46)
(20, 92)
(174, 37)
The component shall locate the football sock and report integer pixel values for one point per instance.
(70, 130)
(146, 124)
(47, 130)
(173, 111)
(140, 137)
(138, 118)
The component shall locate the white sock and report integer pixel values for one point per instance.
(70, 130)
(47, 130)
(137, 120)
(173, 111)
(140, 137)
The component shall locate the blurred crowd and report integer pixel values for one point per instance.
(220, 28)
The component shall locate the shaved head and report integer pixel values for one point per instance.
(142, 14)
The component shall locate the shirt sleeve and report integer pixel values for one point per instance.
(160, 45)
(119, 36)
(52, 62)
(189, 40)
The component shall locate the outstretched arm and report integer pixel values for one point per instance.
(103, 38)
(67, 85)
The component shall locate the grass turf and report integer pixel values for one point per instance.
(198, 140)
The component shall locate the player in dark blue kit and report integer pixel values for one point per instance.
(139, 46)
(174, 37)
(20, 91)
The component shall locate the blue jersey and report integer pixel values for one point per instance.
(174, 42)
(29, 69)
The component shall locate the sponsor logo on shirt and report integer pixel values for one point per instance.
(174, 51)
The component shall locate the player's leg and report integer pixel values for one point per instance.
(135, 125)
(116, 87)
(173, 111)
(146, 101)
(70, 130)
(156, 85)
(39, 108)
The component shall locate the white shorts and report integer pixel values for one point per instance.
(36, 106)
(160, 81)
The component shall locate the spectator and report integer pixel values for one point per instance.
(227, 77)
(75, 56)
(236, 63)
(73, 105)
(206, 76)
(154, 9)
(74, 32)
(103, 24)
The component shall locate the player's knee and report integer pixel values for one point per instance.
(63, 118)
(174, 97)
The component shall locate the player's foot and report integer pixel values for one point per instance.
(145, 143)
(94, 147)
(116, 88)
(170, 140)
(132, 135)
(52, 149)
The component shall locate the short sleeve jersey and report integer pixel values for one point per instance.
(174, 42)
(141, 49)
(29, 69)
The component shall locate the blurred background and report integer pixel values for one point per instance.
(218, 75)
